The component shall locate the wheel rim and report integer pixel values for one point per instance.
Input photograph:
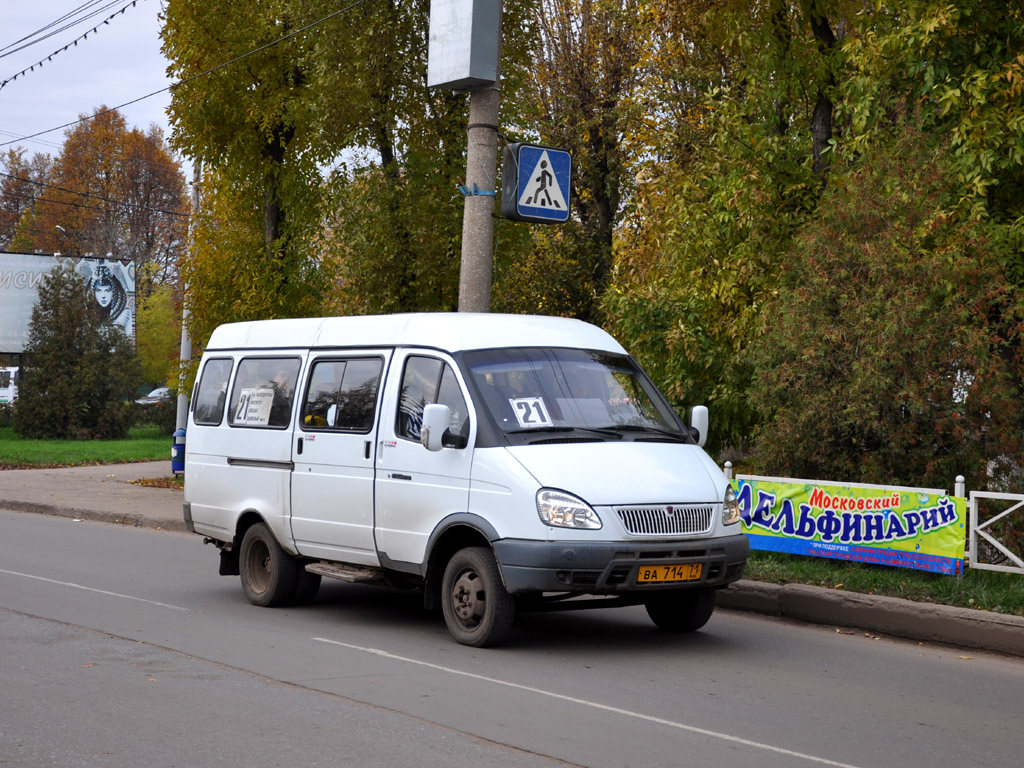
(257, 566)
(469, 599)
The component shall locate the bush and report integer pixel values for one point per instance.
(6, 414)
(163, 414)
(891, 353)
(80, 377)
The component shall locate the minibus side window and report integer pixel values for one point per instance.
(263, 392)
(208, 408)
(428, 380)
(342, 395)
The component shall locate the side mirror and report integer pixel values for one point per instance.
(436, 418)
(699, 423)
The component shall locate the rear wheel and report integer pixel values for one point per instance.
(269, 574)
(477, 608)
(682, 611)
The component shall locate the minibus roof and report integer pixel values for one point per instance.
(448, 331)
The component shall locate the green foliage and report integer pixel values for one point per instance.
(959, 65)
(230, 276)
(158, 336)
(163, 415)
(390, 258)
(81, 374)
(891, 353)
(252, 126)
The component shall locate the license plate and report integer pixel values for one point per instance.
(664, 573)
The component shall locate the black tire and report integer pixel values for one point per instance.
(269, 574)
(306, 586)
(682, 611)
(477, 608)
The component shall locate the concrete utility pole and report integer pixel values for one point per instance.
(478, 214)
(186, 341)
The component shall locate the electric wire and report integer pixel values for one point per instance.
(67, 16)
(89, 195)
(73, 43)
(196, 76)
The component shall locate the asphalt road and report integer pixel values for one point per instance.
(122, 647)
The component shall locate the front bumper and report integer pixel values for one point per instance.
(610, 568)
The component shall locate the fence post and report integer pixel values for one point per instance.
(728, 471)
(960, 489)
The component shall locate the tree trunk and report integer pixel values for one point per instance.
(821, 120)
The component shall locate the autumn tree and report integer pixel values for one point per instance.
(21, 184)
(252, 125)
(396, 219)
(111, 189)
(581, 94)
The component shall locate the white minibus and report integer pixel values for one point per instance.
(498, 463)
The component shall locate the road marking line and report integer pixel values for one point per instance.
(92, 589)
(593, 705)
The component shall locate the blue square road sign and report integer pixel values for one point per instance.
(536, 184)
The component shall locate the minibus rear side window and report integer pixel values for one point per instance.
(263, 392)
(212, 392)
(342, 395)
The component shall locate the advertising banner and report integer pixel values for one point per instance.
(111, 283)
(903, 527)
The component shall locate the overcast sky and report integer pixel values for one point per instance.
(119, 63)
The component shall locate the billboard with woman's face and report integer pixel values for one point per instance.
(111, 285)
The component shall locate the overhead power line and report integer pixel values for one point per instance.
(68, 19)
(90, 195)
(72, 44)
(193, 77)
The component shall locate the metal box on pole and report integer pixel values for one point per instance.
(462, 52)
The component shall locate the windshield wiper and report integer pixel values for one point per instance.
(598, 430)
(637, 428)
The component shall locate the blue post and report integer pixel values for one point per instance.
(178, 452)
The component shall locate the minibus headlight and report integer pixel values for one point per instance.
(565, 510)
(731, 507)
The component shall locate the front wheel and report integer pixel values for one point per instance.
(477, 608)
(269, 574)
(681, 611)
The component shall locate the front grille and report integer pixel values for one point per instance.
(667, 519)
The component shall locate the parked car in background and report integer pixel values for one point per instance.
(8, 385)
(158, 395)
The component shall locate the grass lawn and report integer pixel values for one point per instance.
(147, 443)
(984, 590)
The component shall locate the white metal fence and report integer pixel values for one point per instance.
(996, 532)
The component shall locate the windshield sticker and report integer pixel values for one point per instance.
(530, 411)
(254, 407)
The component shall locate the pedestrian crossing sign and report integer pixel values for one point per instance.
(536, 184)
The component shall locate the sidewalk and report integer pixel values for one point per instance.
(105, 494)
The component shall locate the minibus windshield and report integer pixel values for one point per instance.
(541, 389)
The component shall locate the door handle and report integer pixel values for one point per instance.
(366, 449)
(298, 450)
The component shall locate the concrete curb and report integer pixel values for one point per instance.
(888, 615)
(136, 521)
